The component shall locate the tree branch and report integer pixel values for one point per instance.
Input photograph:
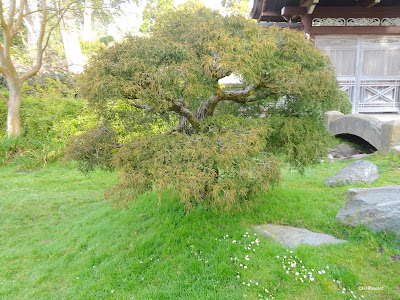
(41, 47)
(180, 109)
(18, 25)
(173, 129)
(2, 97)
(11, 15)
(239, 96)
(138, 105)
(2, 19)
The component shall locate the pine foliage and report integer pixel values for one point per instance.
(210, 155)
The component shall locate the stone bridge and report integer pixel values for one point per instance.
(384, 136)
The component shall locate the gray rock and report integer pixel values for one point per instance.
(360, 171)
(377, 208)
(292, 236)
(347, 150)
(396, 149)
(359, 156)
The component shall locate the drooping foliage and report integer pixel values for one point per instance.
(212, 153)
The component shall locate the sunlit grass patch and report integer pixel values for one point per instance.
(60, 239)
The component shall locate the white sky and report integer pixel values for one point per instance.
(133, 17)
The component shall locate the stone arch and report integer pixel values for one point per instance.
(382, 135)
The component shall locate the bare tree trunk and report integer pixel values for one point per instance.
(70, 40)
(14, 107)
(87, 33)
(32, 24)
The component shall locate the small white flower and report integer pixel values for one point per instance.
(297, 273)
(312, 279)
(77, 277)
(248, 284)
(277, 256)
(245, 267)
(327, 267)
(323, 271)
(234, 241)
(238, 276)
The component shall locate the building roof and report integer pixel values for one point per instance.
(271, 10)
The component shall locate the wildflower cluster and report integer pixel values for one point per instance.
(346, 291)
(249, 245)
(294, 267)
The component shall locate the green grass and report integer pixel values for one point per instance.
(60, 240)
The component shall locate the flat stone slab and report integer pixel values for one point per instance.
(293, 236)
(360, 171)
(378, 208)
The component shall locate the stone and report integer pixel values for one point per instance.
(360, 171)
(293, 236)
(347, 150)
(359, 156)
(396, 149)
(378, 208)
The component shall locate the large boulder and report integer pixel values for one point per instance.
(360, 171)
(377, 208)
(293, 236)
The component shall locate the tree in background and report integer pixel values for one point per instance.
(153, 9)
(211, 154)
(12, 15)
(237, 6)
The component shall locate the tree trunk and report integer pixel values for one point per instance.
(14, 107)
(32, 24)
(87, 34)
(70, 40)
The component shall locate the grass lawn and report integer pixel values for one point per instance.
(60, 240)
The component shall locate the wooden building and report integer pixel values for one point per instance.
(362, 38)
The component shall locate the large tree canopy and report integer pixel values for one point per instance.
(211, 154)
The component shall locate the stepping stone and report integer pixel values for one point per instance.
(378, 208)
(293, 236)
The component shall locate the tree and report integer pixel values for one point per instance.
(152, 10)
(12, 16)
(237, 6)
(211, 154)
